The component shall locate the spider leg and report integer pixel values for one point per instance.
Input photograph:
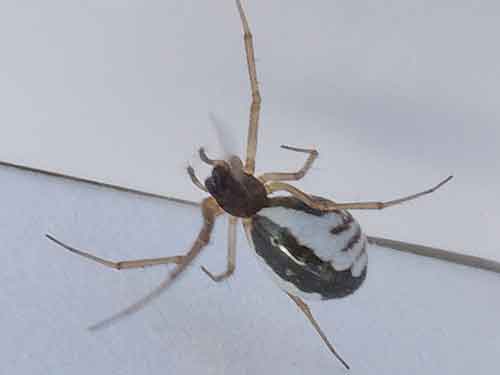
(231, 253)
(126, 264)
(195, 179)
(325, 205)
(293, 176)
(256, 99)
(204, 158)
(210, 211)
(307, 312)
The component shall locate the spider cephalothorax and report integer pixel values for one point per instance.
(238, 193)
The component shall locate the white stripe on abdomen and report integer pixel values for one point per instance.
(315, 232)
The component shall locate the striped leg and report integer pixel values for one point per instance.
(210, 211)
(322, 205)
(293, 176)
(307, 312)
(231, 253)
(256, 100)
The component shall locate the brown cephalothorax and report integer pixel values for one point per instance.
(240, 196)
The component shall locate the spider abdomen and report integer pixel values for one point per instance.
(312, 254)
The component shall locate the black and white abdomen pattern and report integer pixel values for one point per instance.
(312, 254)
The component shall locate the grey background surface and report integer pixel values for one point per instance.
(395, 95)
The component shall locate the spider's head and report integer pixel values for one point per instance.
(238, 193)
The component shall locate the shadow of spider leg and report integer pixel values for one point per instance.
(292, 176)
(325, 205)
(210, 210)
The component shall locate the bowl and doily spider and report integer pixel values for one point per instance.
(312, 246)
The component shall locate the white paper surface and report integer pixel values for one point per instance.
(395, 96)
(411, 316)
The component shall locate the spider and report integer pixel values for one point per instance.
(313, 246)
